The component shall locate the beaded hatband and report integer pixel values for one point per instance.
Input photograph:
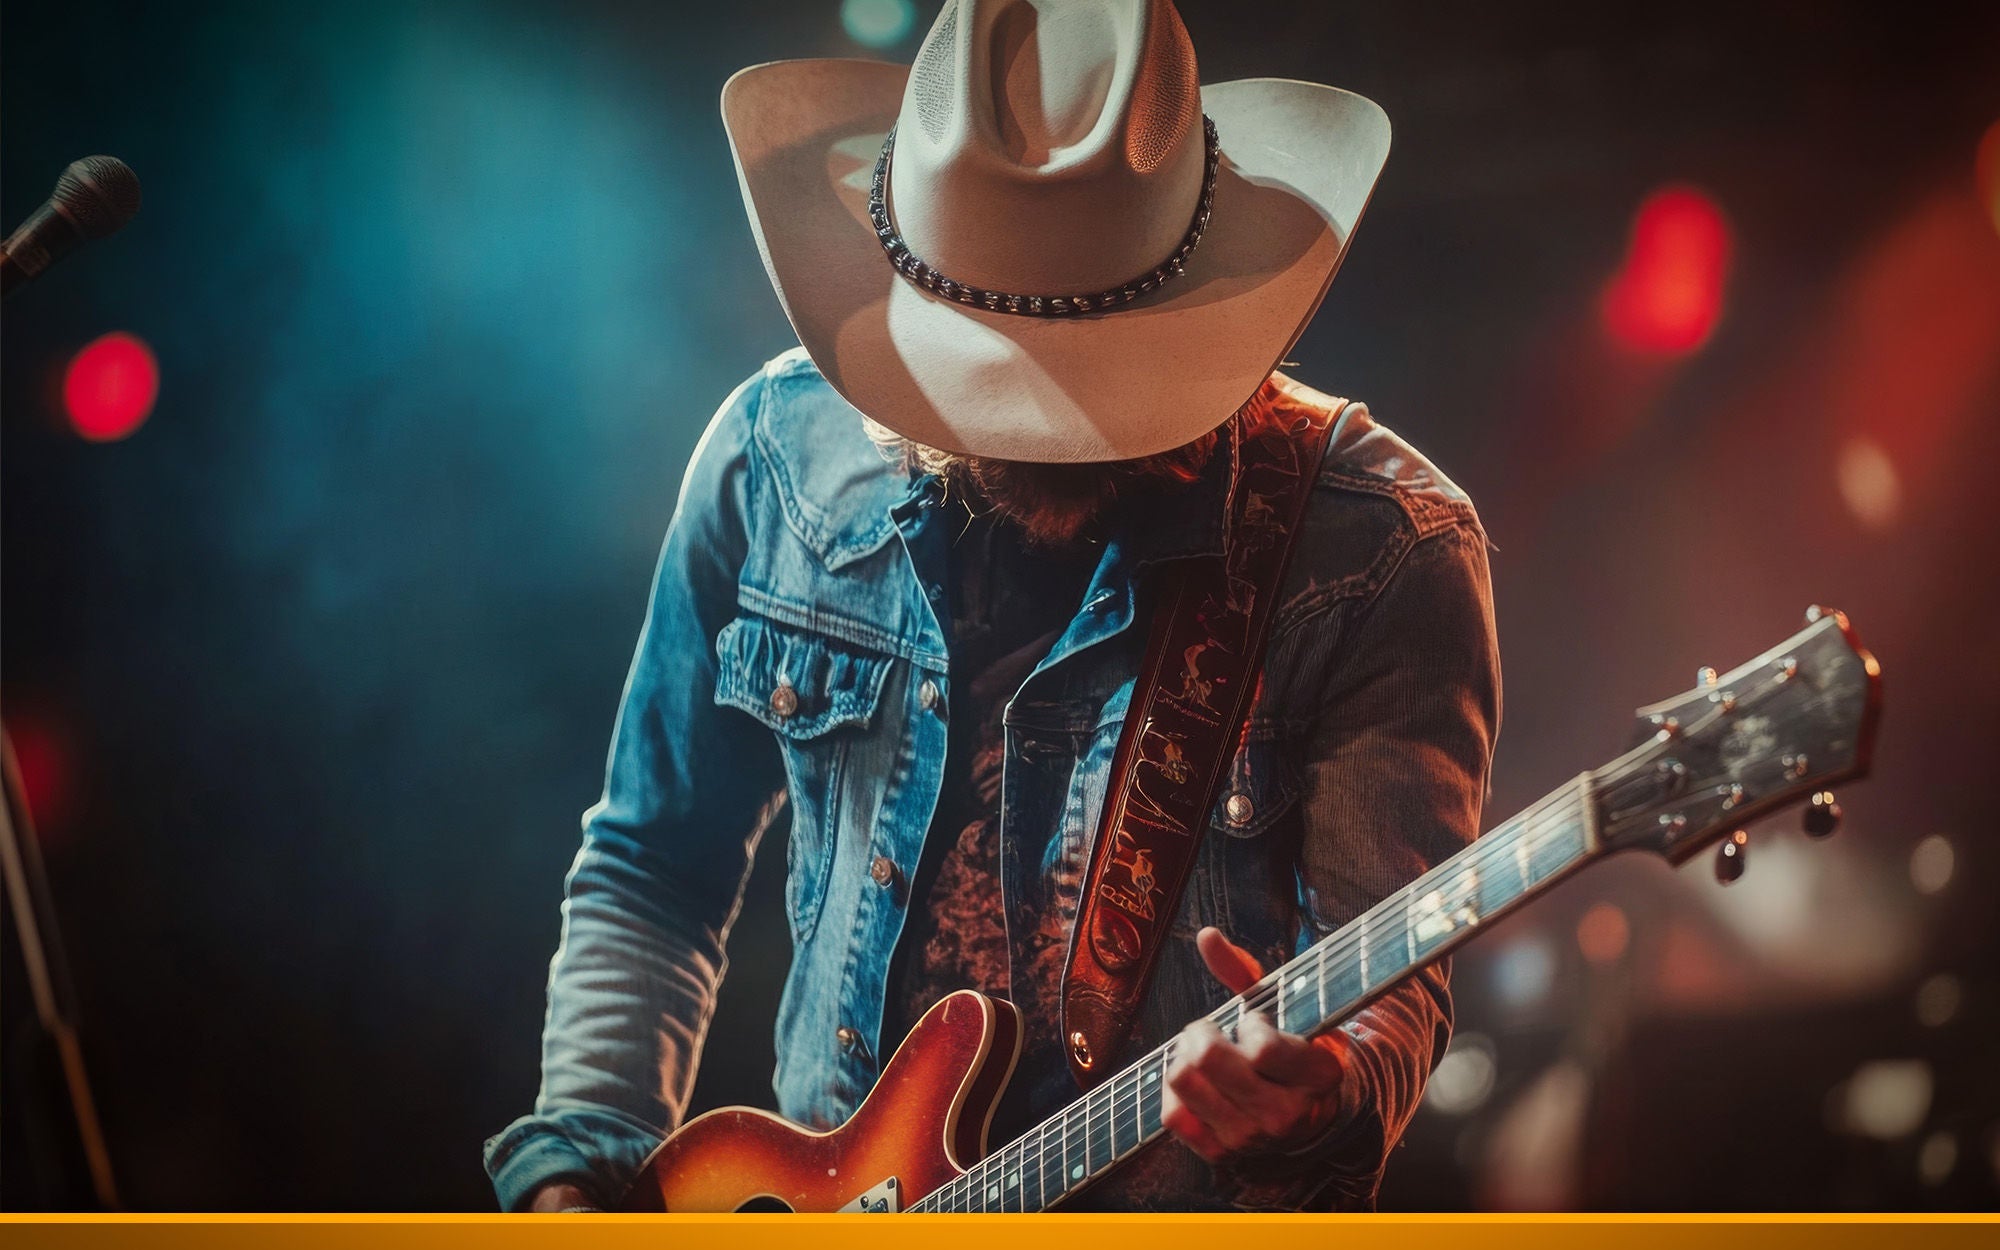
(919, 271)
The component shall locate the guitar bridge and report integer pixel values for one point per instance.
(884, 1199)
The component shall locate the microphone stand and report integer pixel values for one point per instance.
(48, 972)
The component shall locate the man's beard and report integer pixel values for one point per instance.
(1053, 505)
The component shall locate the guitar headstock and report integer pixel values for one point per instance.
(1781, 728)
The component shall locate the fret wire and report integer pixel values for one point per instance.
(1409, 893)
(1089, 1134)
(1100, 1131)
(1041, 1170)
(1113, 1113)
(1319, 989)
(1074, 1170)
(1031, 1175)
(1071, 1171)
(1046, 1190)
(1061, 1187)
(1130, 1088)
(1151, 1076)
(1115, 1085)
(1028, 1191)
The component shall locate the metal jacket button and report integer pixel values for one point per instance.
(883, 870)
(784, 699)
(847, 1037)
(927, 695)
(1239, 809)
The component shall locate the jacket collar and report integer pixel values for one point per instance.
(1170, 521)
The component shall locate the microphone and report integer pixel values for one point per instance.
(94, 197)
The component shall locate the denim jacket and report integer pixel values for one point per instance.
(794, 655)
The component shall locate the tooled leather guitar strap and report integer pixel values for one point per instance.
(1186, 718)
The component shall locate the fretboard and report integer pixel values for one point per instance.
(1321, 988)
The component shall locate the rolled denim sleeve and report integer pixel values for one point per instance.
(650, 898)
(1395, 782)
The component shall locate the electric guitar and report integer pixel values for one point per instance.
(1778, 729)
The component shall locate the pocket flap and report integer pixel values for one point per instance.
(1261, 785)
(798, 683)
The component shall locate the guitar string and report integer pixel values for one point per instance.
(1525, 827)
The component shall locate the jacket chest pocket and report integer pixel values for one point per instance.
(1261, 785)
(818, 696)
(1251, 853)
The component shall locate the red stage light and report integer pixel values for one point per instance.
(1666, 297)
(1869, 482)
(44, 778)
(1603, 934)
(110, 387)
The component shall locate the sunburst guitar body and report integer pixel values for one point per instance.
(922, 1126)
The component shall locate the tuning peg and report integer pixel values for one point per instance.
(1730, 857)
(1823, 817)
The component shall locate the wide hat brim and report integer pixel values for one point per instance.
(1299, 161)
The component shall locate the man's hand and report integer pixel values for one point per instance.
(561, 1196)
(1265, 1090)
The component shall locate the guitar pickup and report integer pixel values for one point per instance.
(884, 1199)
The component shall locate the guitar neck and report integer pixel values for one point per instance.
(1321, 988)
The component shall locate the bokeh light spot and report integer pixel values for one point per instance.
(1938, 999)
(44, 776)
(1937, 1158)
(110, 387)
(878, 23)
(1464, 1077)
(1869, 483)
(1603, 934)
(1931, 864)
(1524, 972)
(1667, 295)
(1886, 1099)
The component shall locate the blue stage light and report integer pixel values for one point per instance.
(878, 23)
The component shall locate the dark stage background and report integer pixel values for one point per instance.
(311, 674)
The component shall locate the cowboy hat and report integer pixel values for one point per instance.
(1065, 250)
